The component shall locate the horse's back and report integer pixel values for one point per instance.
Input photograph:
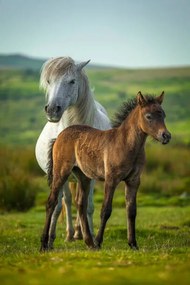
(80, 137)
(81, 145)
(72, 133)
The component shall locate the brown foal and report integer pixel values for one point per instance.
(112, 156)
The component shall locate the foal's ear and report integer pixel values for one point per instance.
(81, 65)
(160, 98)
(140, 99)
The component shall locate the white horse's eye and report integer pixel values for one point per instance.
(72, 81)
(48, 81)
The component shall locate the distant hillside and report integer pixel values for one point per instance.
(17, 61)
(22, 62)
(22, 102)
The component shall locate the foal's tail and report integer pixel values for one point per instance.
(50, 163)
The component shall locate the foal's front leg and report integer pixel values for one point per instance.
(130, 195)
(106, 210)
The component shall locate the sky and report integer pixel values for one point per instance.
(125, 33)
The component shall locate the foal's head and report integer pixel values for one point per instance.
(61, 78)
(152, 117)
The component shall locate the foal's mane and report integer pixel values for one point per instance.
(54, 68)
(126, 108)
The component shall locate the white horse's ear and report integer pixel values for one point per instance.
(81, 65)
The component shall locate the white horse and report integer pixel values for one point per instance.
(69, 102)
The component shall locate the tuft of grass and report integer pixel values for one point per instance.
(18, 187)
(17, 192)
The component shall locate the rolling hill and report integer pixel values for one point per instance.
(19, 61)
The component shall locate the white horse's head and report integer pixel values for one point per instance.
(61, 79)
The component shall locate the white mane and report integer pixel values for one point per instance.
(54, 68)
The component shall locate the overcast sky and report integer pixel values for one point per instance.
(128, 33)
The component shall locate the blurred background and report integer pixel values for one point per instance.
(133, 45)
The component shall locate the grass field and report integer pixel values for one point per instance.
(162, 232)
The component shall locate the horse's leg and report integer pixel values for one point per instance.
(68, 207)
(50, 206)
(130, 194)
(66, 194)
(90, 207)
(82, 201)
(56, 213)
(90, 211)
(106, 210)
(78, 232)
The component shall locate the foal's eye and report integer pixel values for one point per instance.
(72, 81)
(48, 81)
(148, 117)
(161, 114)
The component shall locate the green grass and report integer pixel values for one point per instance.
(163, 258)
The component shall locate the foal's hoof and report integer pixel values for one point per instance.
(69, 238)
(95, 248)
(133, 246)
(78, 236)
(97, 245)
(50, 247)
(43, 249)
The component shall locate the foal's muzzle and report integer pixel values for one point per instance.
(164, 137)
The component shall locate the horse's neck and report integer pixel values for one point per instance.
(132, 134)
(82, 112)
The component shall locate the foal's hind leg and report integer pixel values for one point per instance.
(78, 232)
(68, 207)
(66, 194)
(90, 207)
(82, 201)
(50, 206)
(90, 211)
(56, 213)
